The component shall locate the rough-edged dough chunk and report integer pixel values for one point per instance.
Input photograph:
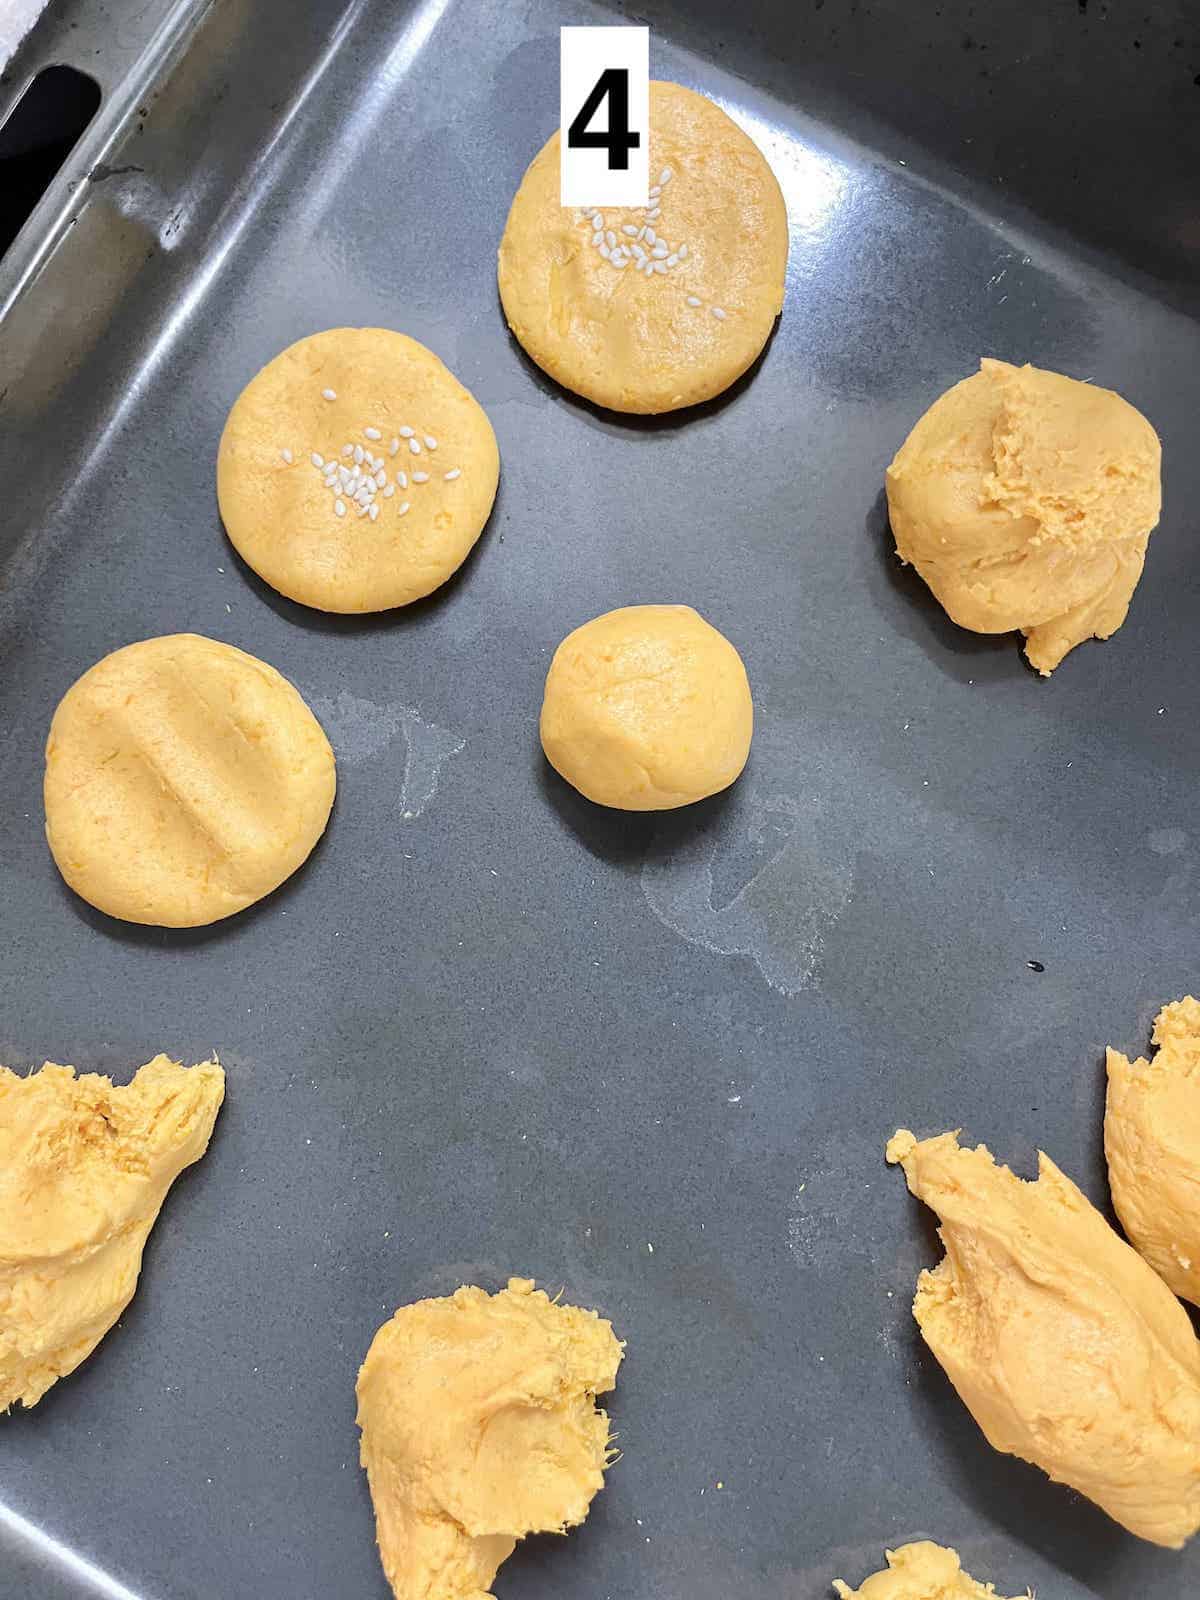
(919, 1571)
(1152, 1141)
(84, 1169)
(480, 1426)
(1067, 1349)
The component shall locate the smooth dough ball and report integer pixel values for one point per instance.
(1025, 500)
(1152, 1142)
(647, 708)
(920, 1571)
(355, 472)
(184, 781)
(715, 237)
(480, 1426)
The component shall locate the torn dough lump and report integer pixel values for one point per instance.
(84, 1168)
(1025, 499)
(1067, 1349)
(919, 1571)
(1152, 1142)
(479, 1426)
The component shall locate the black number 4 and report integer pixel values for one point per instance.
(613, 85)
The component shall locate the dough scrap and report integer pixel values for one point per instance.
(1063, 1344)
(479, 1426)
(919, 1571)
(647, 708)
(1152, 1142)
(1025, 499)
(84, 1168)
(184, 780)
(682, 333)
(317, 411)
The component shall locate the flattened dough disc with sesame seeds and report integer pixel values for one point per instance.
(372, 422)
(652, 341)
(184, 780)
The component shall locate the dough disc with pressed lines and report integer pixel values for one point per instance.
(184, 781)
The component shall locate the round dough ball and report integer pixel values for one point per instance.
(638, 341)
(184, 781)
(647, 708)
(1025, 500)
(296, 447)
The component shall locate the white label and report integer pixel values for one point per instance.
(604, 111)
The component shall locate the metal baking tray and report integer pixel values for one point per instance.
(490, 1028)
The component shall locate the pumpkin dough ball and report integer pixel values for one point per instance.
(184, 781)
(1061, 1342)
(1025, 500)
(651, 308)
(355, 472)
(1152, 1142)
(920, 1571)
(647, 708)
(480, 1426)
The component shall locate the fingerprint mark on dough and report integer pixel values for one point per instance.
(779, 917)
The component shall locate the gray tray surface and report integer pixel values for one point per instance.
(490, 1028)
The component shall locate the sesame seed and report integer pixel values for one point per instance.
(402, 479)
(450, 476)
(718, 313)
(317, 460)
(660, 251)
(381, 477)
(598, 220)
(372, 433)
(430, 443)
(606, 252)
(673, 260)
(621, 264)
(630, 230)
(597, 237)
(420, 477)
(347, 449)
(358, 455)
(339, 505)
(395, 445)
(402, 508)
(683, 252)
(653, 216)
(415, 446)
(651, 236)
(693, 299)
(660, 266)
(665, 175)
(389, 491)
(610, 238)
(287, 456)
(374, 513)
(329, 394)
(639, 252)
(655, 190)
(642, 234)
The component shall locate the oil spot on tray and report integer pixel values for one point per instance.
(361, 729)
(781, 912)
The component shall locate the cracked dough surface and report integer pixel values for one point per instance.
(184, 780)
(633, 342)
(480, 1426)
(647, 708)
(1067, 1349)
(919, 1571)
(1025, 499)
(84, 1168)
(281, 517)
(1152, 1143)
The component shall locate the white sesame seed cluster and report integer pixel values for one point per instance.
(640, 245)
(361, 481)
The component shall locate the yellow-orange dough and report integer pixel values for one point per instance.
(184, 780)
(1063, 1344)
(1152, 1141)
(638, 341)
(384, 396)
(647, 708)
(1025, 500)
(919, 1571)
(480, 1426)
(84, 1169)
